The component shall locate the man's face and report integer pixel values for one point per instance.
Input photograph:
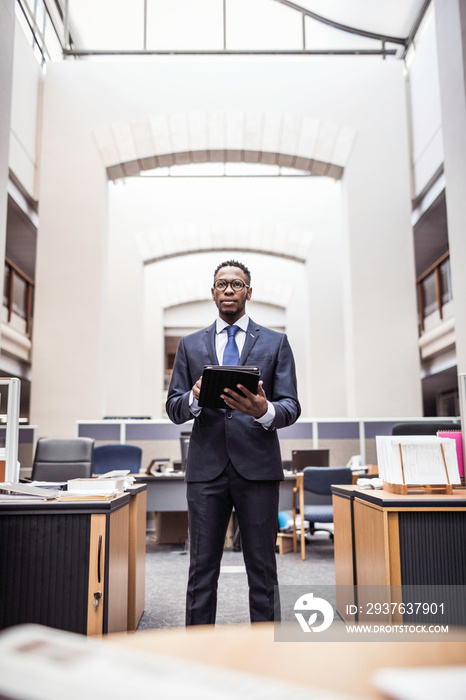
(231, 304)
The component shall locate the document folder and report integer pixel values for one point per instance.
(215, 378)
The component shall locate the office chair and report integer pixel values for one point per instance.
(309, 458)
(60, 459)
(116, 456)
(427, 428)
(317, 481)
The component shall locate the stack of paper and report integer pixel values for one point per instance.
(117, 474)
(24, 492)
(95, 487)
(39, 662)
(457, 436)
(419, 461)
(448, 682)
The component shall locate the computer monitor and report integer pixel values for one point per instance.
(309, 458)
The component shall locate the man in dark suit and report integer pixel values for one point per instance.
(234, 455)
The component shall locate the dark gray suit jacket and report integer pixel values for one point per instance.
(220, 435)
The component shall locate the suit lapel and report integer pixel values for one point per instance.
(252, 334)
(209, 340)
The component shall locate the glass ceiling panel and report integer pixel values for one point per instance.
(185, 25)
(394, 18)
(107, 24)
(322, 36)
(262, 24)
(251, 24)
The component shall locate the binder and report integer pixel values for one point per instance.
(458, 437)
(215, 378)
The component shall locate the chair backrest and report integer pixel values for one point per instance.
(116, 456)
(427, 428)
(309, 458)
(318, 480)
(60, 459)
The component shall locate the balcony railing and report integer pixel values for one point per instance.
(434, 289)
(18, 291)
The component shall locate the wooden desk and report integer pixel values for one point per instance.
(136, 554)
(55, 555)
(253, 650)
(386, 539)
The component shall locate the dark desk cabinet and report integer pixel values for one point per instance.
(65, 565)
(408, 543)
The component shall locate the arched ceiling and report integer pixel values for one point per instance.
(170, 241)
(289, 140)
(181, 292)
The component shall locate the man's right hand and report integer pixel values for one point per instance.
(197, 388)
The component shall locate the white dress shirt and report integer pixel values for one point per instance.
(221, 338)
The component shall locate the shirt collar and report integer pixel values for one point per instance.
(242, 323)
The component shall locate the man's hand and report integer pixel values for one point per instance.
(197, 388)
(254, 405)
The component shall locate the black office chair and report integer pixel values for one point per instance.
(116, 456)
(317, 481)
(309, 458)
(60, 459)
(424, 428)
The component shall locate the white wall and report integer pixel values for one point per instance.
(426, 118)
(67, 355)
(7, 23)
(311, 206)
(451, 32)
(25, 113)
(123, 312)
(367, 95)
(382, 357)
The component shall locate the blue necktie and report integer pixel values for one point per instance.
(231, 354)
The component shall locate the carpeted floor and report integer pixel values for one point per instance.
(167, 572)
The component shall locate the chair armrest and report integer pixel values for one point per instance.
(297, 489)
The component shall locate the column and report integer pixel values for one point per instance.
(381, 337)
(7, 30)
(451, 27)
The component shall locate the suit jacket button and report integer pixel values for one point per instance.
(229, 415)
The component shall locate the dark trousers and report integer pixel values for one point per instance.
(210, 505)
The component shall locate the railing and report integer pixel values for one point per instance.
(434, 289)
(17, 293)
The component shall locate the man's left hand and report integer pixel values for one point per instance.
(254, 405)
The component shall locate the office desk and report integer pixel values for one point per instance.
(167, 492)
(56, 555)
(386, 539)
(253, 650)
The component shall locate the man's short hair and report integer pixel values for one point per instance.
(234, 263)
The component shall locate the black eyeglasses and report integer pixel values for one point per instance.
(236, 285)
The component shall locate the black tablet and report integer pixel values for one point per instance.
(215, 378)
